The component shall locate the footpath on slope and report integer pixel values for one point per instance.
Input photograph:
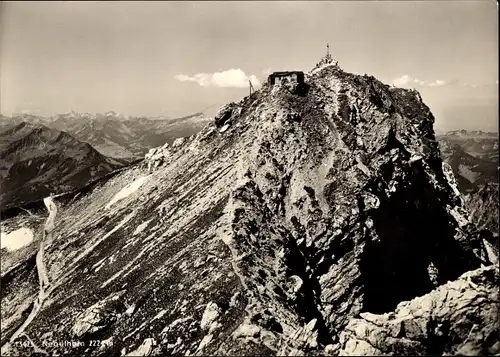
(42, 272)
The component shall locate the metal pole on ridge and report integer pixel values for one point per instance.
(251, 87)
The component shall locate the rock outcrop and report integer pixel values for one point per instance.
(484, 206)
(98, 317)
(157, 156)
(458, 318)
(269, 230)
(224, 114)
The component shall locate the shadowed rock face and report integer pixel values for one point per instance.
(268, 234)
(483, 206)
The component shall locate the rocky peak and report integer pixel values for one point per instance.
(299, 208)
(340, 200)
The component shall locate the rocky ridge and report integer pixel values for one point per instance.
(298, 211)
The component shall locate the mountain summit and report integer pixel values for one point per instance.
(284, 227)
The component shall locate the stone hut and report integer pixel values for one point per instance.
(291, 76)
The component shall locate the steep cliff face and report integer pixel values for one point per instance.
(483, 207)
(296, 210)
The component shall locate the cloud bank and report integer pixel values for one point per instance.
(406, 80)
(232, 78)
(409, 81)
(30, 111)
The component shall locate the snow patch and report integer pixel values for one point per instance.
(141, 227)
(466, 172)
(97, 266)
(159, 315)
(17, 239)
(224, 128)
(127, 190)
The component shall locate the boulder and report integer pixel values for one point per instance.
(212, 311)
(178, 142)
(98, 317)
(144, 349)
(224, 114)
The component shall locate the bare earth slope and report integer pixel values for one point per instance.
(264, 234)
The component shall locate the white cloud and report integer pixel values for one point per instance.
(30, 111)
(402, 81)
(232, 78)
(408, 81)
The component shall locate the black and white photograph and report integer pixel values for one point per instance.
(249, 178)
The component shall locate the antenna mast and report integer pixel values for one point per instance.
(251, 87)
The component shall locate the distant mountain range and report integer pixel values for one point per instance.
(36, 160)
(114, 134)
(473, 157)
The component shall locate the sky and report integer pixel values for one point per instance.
(176, 58)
